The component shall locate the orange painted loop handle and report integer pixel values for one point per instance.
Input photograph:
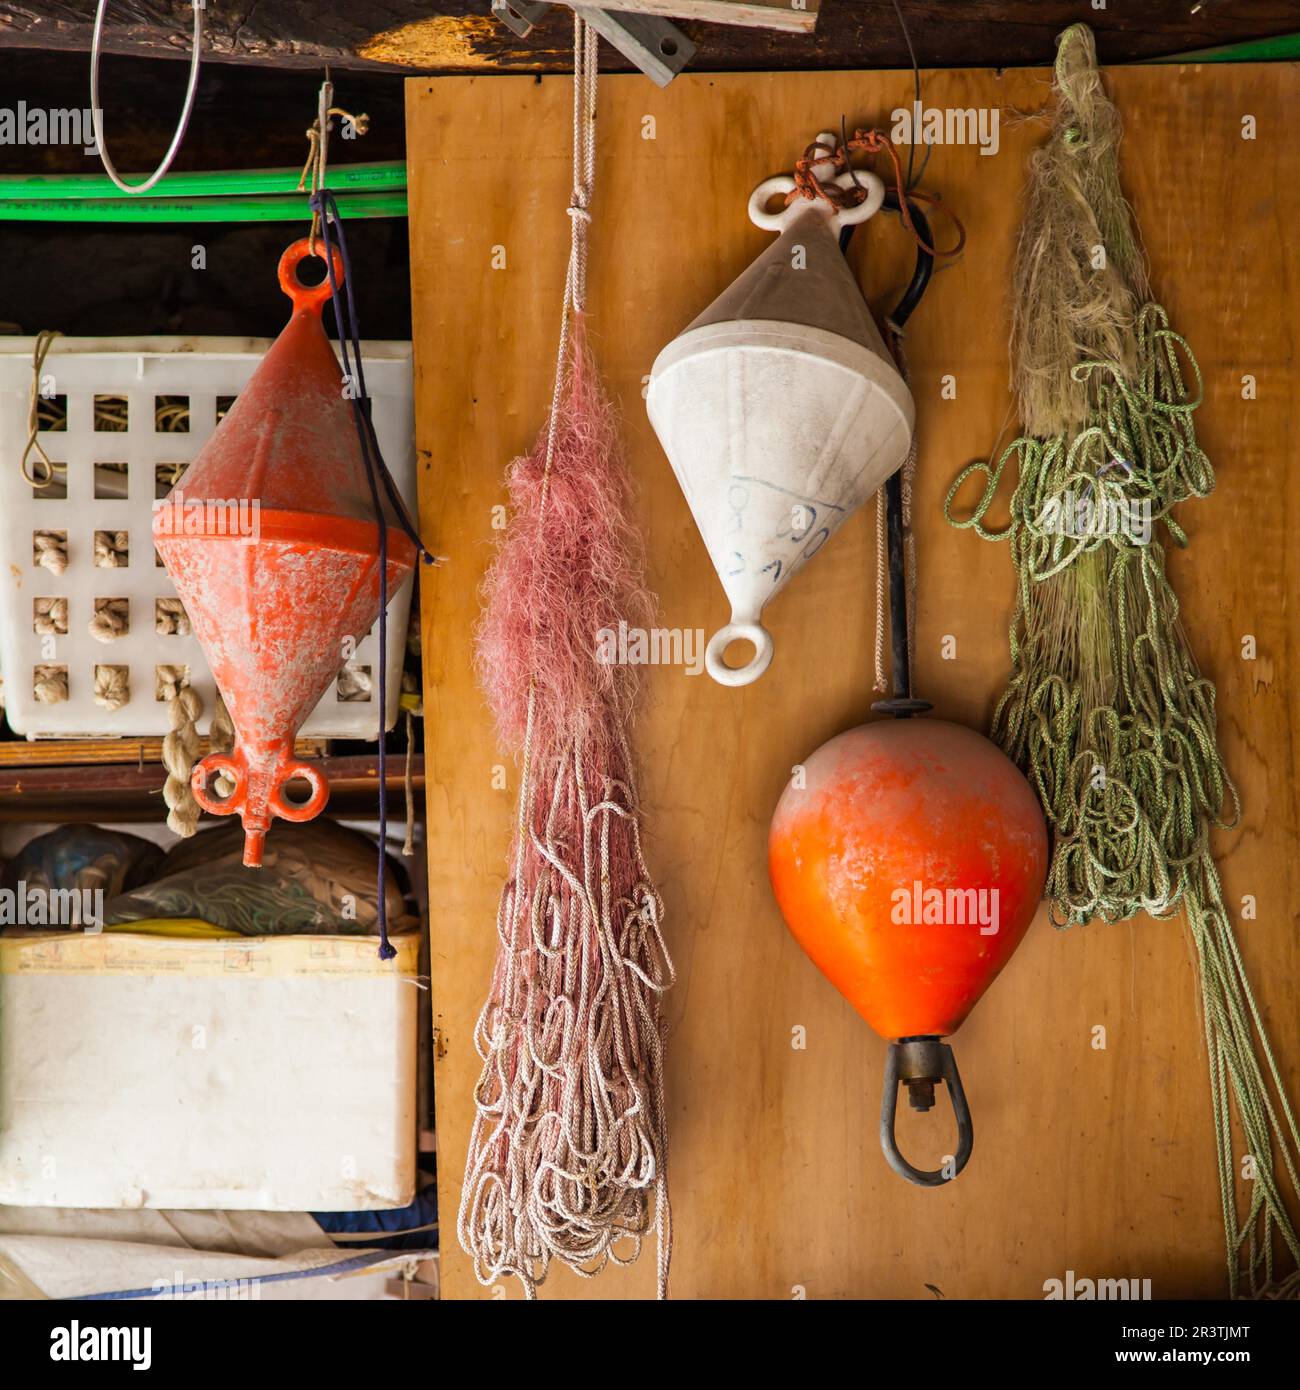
(313, 297)
(236, 768)
(294, 810)
(206, 771)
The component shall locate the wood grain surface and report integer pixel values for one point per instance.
(1095, 1160)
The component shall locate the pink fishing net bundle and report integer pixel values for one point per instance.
(569, 568)
(569, 1142)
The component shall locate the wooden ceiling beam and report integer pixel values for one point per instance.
(436, 36)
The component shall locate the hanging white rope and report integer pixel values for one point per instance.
(97, 114)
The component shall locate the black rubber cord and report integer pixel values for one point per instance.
(924, 259)
(901, 704)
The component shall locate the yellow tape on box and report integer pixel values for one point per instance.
(198, 950)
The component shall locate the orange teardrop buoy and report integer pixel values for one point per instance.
(908, 863)
(271, 541)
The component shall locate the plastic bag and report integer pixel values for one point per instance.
(317, 877)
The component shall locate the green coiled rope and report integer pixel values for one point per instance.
(1108, 714)
(1118, 734)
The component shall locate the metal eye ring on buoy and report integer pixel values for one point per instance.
(918, 1063)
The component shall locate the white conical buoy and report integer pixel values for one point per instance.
(779, 408)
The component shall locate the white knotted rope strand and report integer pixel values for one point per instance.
(112, 686)
(50, 683)
(569, 1136)
(180, 749)
(221, 739)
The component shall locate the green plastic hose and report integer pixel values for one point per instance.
(343, 178)
(270, 208)
(1280, 48)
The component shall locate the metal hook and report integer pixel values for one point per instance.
(920, 1062)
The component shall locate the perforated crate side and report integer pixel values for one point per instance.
(203, 370)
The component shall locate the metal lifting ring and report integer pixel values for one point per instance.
(919, 1063)
(97, 116)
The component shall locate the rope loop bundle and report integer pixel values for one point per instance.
(568, 1156)
(1158, 720)
(1114, 834)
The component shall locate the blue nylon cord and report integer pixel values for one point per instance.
(345, 1266)
(345, 318)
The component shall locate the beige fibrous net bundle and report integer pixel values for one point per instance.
(1106, 709)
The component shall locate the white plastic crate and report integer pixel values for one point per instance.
(201, 370)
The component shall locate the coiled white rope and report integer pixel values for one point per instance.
(180, 748)
(51, 617)
(170, 618)
(112, 686)
(110, 620)
(50, 683)
(112, 550)
(50, 550)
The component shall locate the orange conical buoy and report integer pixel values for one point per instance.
(908, 860)
(909, 863)
(271, 541)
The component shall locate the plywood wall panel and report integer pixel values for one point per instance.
(1096, 1161)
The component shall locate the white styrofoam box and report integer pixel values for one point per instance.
(200, 369)
(267, 1073)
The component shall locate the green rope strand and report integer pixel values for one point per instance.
(1110, 718)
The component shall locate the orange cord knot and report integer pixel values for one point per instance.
(808, 184)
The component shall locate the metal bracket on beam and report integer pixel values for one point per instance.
(656, 46)
(519, 16)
